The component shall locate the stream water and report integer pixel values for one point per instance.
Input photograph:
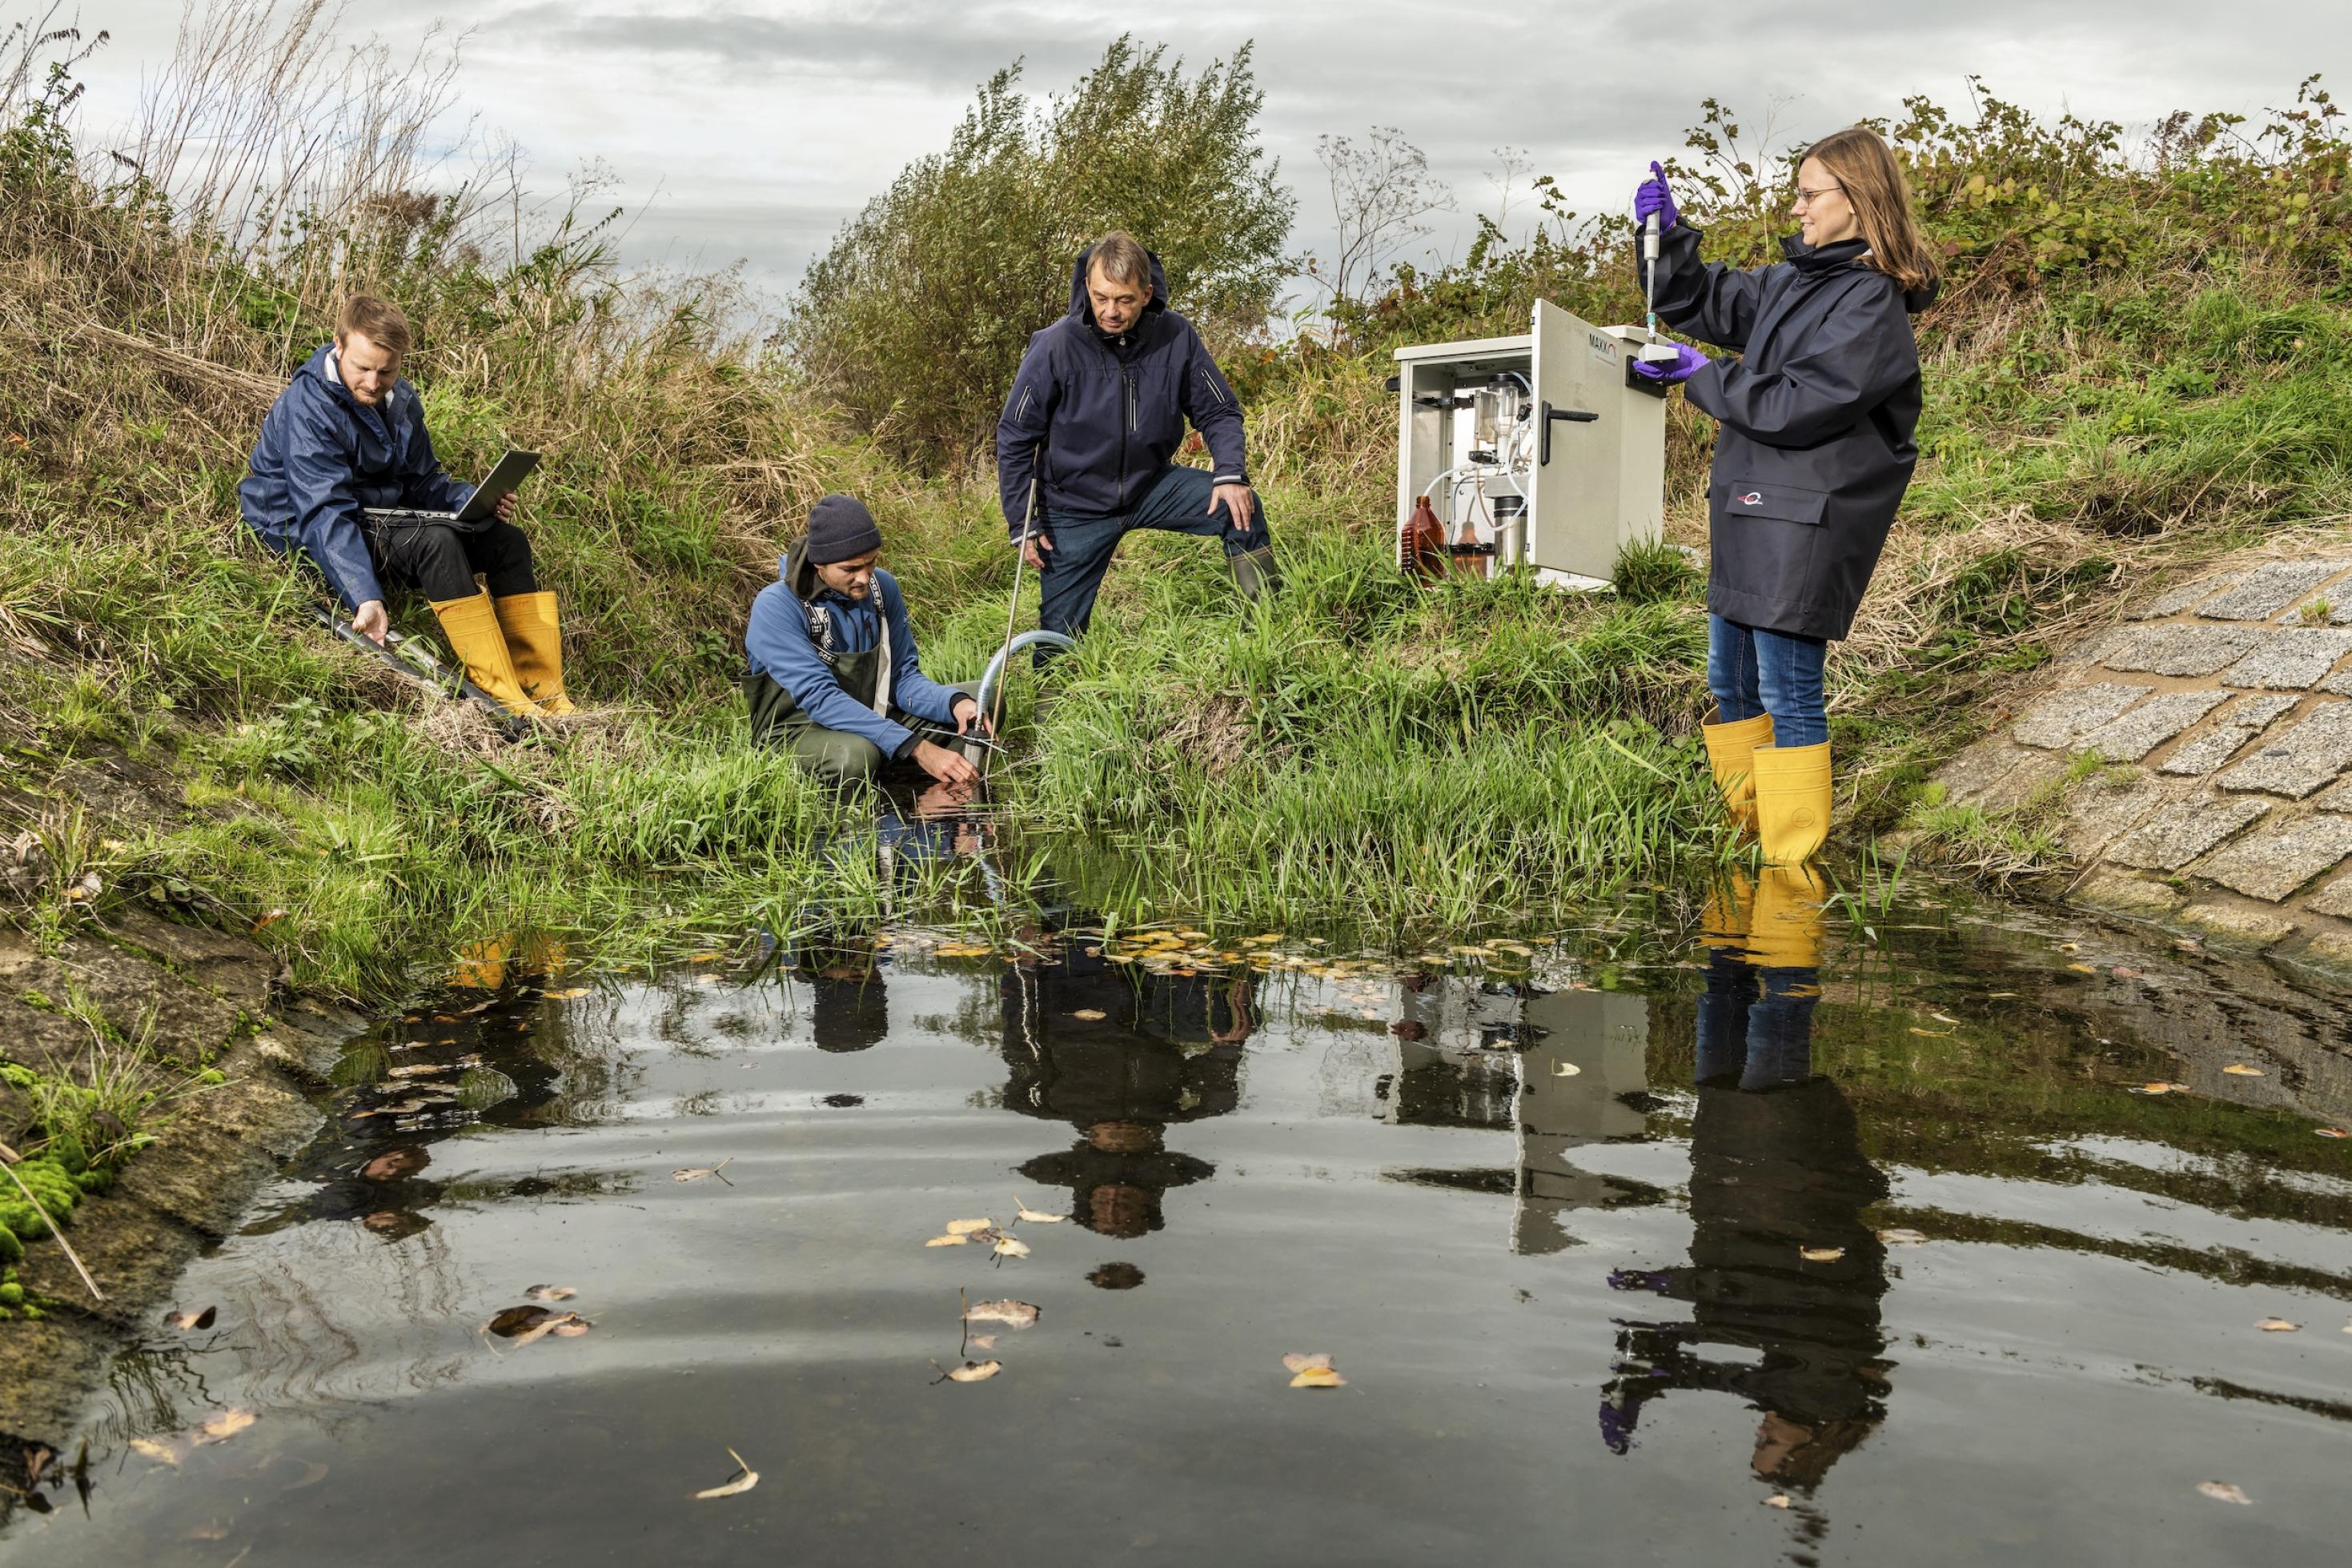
(1841, 1245)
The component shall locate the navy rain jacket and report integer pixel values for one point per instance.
(777, 644)
(1815, 448)
(1108, 413)
(322, 457)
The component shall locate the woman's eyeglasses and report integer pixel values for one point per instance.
(1807, 198)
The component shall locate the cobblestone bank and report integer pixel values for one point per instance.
(2197, 759)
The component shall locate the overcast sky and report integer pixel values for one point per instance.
(750, 128)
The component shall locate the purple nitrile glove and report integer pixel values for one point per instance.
(1653, 196)
(1688, 362)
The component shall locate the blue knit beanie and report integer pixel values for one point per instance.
(841, 528)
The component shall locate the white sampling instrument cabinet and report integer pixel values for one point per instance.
(1543, 452)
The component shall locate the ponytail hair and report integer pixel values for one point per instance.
(1861, 163)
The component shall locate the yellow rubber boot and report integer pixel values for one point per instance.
(1731, 753)
(534, 636)
(1793, 802)
(472, 628)
(1785, 932)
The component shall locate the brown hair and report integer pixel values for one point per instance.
(380, 321)
(1121, 258)
(1861, 163)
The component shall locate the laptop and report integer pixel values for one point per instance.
(512, 470)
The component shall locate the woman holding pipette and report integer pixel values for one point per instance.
(1813, 455)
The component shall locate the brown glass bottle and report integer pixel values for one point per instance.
(1422, 551)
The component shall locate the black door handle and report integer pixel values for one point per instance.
(1543, 456)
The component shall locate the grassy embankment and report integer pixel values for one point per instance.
(2134, 365)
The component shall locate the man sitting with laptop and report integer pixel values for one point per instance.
(345, 474)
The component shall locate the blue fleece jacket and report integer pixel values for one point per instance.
(778, 644)
(322, 457)
(1107, 413)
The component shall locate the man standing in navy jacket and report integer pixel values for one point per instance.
(347, 436)
(1094, 419)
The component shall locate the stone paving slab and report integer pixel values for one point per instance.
(2065, 716)
(2097, 813)
(1977, 769)
(2276, 858)
(2298, 760)
(2238, 927)
(2239, 723)
(2339, 609)
(2337, 797)
(2336, 899)
(2039, 770)
(2268, 588)
(2151, 724)
(2290, 661)
(2184, 830)
(2180, 596)
(2341, 685)
(2180, 648)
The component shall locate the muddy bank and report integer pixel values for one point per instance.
(209, 997)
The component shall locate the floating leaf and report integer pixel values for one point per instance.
(970, 1227)
(973, 1371)
(746, 1477)
(2224, 1492)
(1035, 1217)
(2240, 1069)
(707, 958)
(165, 1453)
(565, 994)
(1019, 1314)
(698, 1173)
(203, 1320)
(1899, 1235)
(225, 1425)
(1777, 1499)
(1299, 1360)
(1091, 1014)
(1313, 1370)
(2070, 946)
(1820, 1254)
(947, 1241)
(2332, 1133)
(2277, 1325)
(1565, 1069)
(1932, 1033)
(2083, 968)
(2160, 1089)
(550, 1293)
(1007, 1247)
(982, 1342)
(1944, 1017)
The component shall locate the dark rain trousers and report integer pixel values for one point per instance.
(1817, 418)
(440, 561)
(1084, 543)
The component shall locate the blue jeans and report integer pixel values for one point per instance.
(1084, 543)
(1752, 671)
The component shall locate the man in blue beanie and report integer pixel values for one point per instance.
(833, 673)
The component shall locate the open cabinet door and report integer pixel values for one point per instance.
(1574, 488)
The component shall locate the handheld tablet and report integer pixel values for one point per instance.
(512, 470)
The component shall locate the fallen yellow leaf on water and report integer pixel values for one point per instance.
(2070, 946)
(225, 1425)
(565, 996)
(974, 1371)
(1565, 1069)
(746, 1477)
(2223, 1491)
(1932, 1033)
(1777, 1499)
(1092, 1015)
(1035, 1217)
(697, 1173)
(1899, 1235)
(947, 1241)
(1313, 1369)
(967, 1227)
(2084, 968)
(2240, 1069)
(2160, 1089)
(2277, 1325)
(1019, 1314)
(163, 1452)
(1820, 1254)
(550, 1293)
(706, 958)
(1006, 1247)
(1944, 1017)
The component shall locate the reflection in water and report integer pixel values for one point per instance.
(1777, 1173)
(1120, 1057)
